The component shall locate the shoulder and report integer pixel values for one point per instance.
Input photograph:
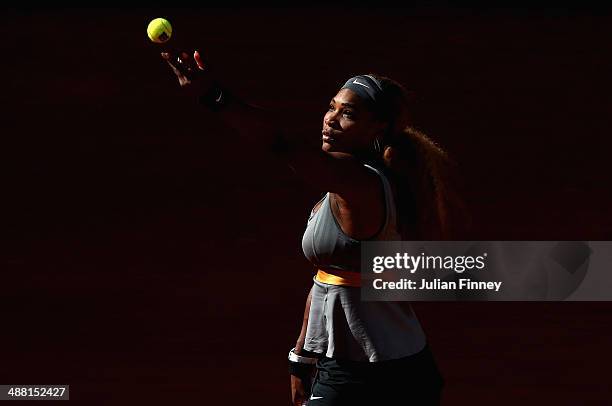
(363, 187)
(361, 214)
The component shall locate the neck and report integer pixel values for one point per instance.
(369, 156)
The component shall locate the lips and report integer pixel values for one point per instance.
(328, 136)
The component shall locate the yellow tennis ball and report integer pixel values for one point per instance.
(159, 30)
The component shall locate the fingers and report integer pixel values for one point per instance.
(185, 66)
(198, 59)
(182, 67)
(184, 61)
(191, 63)
(173, 63)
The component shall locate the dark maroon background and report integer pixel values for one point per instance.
(148, 257)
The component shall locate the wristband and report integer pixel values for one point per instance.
(215, 98)
(301, 366)
(293, 357)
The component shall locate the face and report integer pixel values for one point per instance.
(348, 125)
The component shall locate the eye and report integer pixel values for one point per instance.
(348, 114)
(330, 108)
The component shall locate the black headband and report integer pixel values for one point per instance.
(366, 87)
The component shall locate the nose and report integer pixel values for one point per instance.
(330, 119)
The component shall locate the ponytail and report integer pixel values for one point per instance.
(429, 206)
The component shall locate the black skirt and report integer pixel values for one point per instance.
(412, 381)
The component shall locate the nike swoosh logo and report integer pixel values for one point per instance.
(315, 397)
(220, 96)
(359, 83)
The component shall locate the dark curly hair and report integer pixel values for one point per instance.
(424, 176)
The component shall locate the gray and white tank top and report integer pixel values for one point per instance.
(340, 325)
(325, 244)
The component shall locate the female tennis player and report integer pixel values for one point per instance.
(383, 181)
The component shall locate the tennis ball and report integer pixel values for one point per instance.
(159, 30)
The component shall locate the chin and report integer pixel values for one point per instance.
(327, 147)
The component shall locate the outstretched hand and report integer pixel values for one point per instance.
(190, 70)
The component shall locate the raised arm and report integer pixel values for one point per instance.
(334, 172)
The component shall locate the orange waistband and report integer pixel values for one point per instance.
(338, 277)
